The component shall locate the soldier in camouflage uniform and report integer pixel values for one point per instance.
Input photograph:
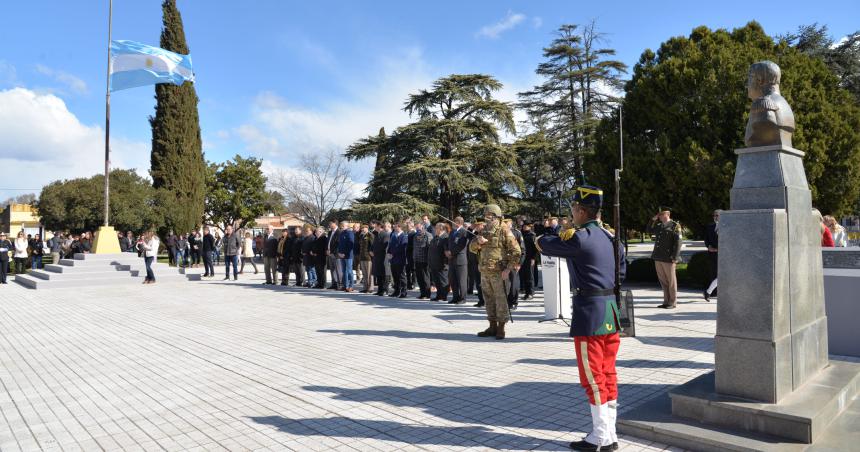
(499, 255)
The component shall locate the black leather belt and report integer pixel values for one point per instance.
(594, 292)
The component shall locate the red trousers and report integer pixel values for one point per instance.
(595, 357)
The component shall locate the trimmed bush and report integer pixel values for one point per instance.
(642, 270)
(699, 270)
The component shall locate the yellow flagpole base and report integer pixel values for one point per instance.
(106, 241)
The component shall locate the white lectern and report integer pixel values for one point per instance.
(556, 288)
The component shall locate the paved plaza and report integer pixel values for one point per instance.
(217, 365)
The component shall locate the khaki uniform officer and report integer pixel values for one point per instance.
(499, 255)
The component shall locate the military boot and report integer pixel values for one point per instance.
(491, 331)
(500, 331)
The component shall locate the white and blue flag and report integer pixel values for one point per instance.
(133, 64)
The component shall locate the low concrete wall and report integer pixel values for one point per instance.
(842, 303)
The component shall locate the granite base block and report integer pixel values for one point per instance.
(802, 416)
(653, 421)
(841, 289)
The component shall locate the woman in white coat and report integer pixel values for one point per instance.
(21, 253)
(149, 244)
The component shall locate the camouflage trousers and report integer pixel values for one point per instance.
(495, 296)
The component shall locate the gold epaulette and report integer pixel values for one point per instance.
(567, 234)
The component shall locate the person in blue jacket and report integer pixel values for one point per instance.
(345, 253)
(397, 255)
(588, 249)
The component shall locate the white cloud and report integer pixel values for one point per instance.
(74, 83)
(280, 129)
(42, 141)
(537, 22)
(495, 30)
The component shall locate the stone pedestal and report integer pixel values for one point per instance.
(106, 241)
(771, 326)
(772, 377)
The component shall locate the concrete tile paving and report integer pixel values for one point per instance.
(224, 365)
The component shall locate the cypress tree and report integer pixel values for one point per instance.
(178, 168)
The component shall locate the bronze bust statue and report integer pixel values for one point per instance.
(771, 120)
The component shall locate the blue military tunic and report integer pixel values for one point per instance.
(592, 265)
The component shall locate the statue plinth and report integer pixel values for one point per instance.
(771, 324)
(773, 387)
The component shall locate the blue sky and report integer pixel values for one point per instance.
(280, 78)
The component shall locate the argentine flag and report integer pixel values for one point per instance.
(133, 64)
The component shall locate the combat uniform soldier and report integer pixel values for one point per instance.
(666, 254)
(499, 255)
(595, 323)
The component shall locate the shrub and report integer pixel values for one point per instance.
(642, 270)
(699, 269)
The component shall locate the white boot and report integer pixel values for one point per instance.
(611, 416)
(600, 435)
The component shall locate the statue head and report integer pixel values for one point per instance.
(763, 79)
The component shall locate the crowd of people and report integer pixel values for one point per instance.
(433, 258)
(381, 257)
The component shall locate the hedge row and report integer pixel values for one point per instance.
(695, 273)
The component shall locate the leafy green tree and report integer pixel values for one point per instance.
(685, 112)
(78, 204)
(178, 168)
(579, 78)
(236, 192)
(450, 159)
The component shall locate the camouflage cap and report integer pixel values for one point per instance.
(493, 209)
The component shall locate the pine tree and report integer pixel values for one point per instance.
(178, 167)
(576, 92)
(450, 160)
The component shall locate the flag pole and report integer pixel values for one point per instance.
(106, 241)
(107, 120)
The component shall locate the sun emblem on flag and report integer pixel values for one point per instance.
(149, 62)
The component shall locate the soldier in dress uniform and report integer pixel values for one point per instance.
(499, 256)
(588, 250)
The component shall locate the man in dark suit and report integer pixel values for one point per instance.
(332, 259)
(319, 256)
(527, 270)
(208, 245)
(5, 247)
(514, 276)
(457, 261)
(270, 255)
(377, 255)
(410, 263)
(397, 255)
(345, 255)
(712, 240)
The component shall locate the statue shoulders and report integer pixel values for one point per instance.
(766, 103)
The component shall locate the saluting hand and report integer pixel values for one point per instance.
(505, 273)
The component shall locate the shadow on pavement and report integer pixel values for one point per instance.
(463, 337)
(412, 434)
(553, 406)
